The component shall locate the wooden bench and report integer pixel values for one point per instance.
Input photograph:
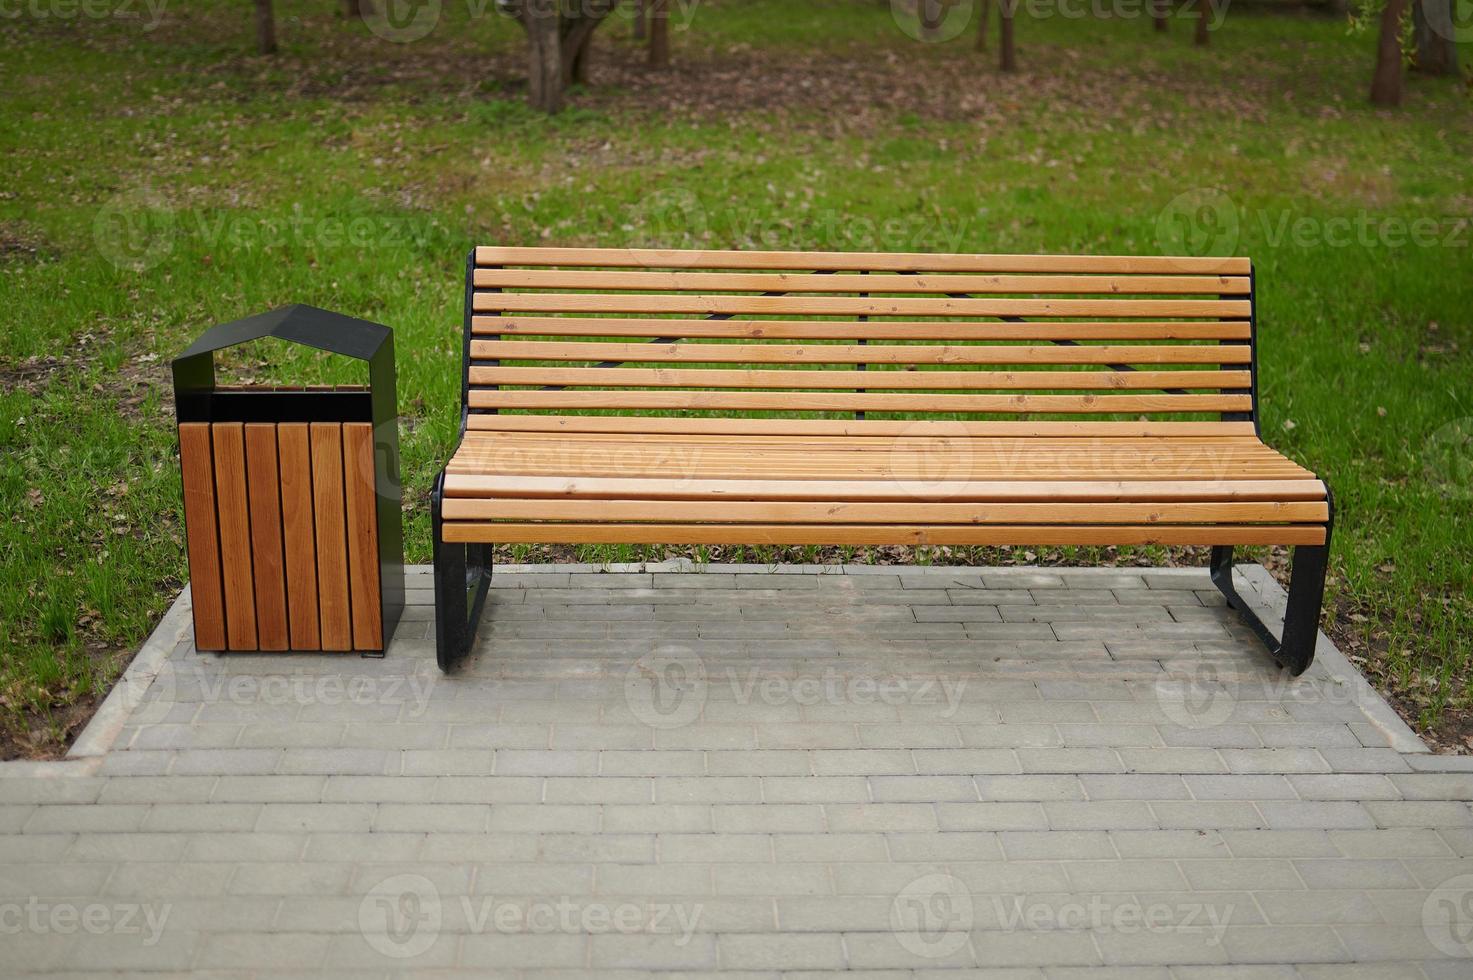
(834, 398)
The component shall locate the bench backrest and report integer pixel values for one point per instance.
(1095, 343)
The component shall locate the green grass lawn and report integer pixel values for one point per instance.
(158, 182)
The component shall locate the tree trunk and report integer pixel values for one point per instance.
(1160, 10)
(544, 44)
(659, 33)
(1007, 54)
(357, 8)
(1433, 29)
(639, 20)
(1202, 37)
(265, 27)
(984, 13)
(1386, 82)
(577, 55)
(576, 68)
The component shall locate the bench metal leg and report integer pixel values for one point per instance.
(462, 578)
(1295, 650)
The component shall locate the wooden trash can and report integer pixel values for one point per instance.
(292, 495)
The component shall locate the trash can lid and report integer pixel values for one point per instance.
(297, 324)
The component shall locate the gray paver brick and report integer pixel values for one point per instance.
(1057, 773)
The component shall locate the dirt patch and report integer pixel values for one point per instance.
(844, 93)
(31, 375)
(1365, 640)
(19, 243)
(855, 89)
(138, 375)
(47, 733)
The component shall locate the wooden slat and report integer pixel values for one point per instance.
(583, 454)
(918, 469)
(914, 462)
(535, 350)
(235, 534)
(264, 491)
(484, 302)
(958, 491)
(872, 428)
(1016, 441)
(299, 536)
(362, 520)
(608, 326)
(864, 401)
(628, 258)
(201, 533)
(785, 512)
(898, 534)
(891, 380)
(783, 282)
(331, 535)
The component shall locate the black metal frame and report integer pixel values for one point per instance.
(196, 399)
(462, 572)
(1294, 648)
(462, 579)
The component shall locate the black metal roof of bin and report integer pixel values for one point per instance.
(298, 324)
(197, 400)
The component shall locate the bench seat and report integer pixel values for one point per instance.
(858, 487)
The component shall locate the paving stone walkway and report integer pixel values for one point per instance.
(891, 772)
